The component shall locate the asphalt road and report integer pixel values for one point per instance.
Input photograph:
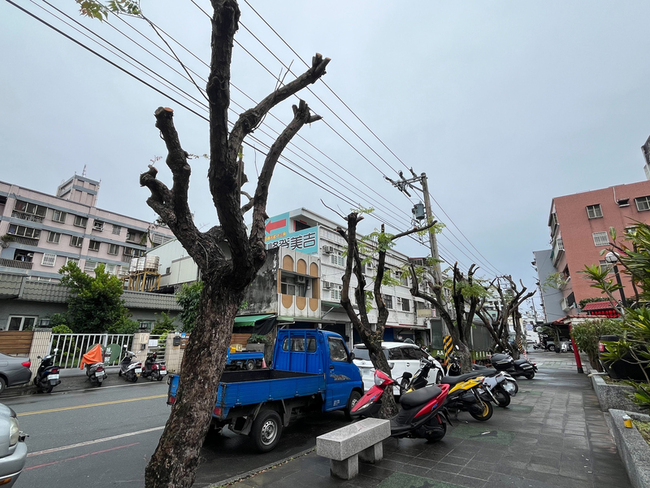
(104, 437)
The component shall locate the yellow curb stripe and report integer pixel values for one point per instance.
(62, 409)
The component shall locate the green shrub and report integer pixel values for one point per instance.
(61, 329)
(587, 335)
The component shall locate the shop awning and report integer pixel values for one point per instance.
(604, 305)
(407, 326)
(250, 320)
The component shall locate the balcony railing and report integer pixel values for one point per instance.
(25, 216)
(12, 263)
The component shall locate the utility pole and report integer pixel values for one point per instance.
(433, 243)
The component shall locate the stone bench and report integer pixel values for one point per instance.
(344, 446)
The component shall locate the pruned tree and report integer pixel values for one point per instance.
(467, 297)
(229, 254)
(507, 307)
(371, 334)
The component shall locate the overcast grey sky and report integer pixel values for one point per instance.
(503, 104)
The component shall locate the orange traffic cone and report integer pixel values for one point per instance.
(263, 363)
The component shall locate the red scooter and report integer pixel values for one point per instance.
(421, 414)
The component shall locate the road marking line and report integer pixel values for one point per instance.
(62, 409)
(88, 443)
(82, 456)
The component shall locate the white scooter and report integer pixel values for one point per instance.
(130, 368)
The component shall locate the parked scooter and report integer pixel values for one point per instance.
(491, 389)
(130, 368)
(421, 414)
(520, 367)
(153, 369)
(510, 384)
(47, 376)
(93, 360)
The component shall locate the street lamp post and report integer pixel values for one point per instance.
(612, 258)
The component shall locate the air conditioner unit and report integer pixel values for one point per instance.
(327, 285)
(328, 249)
(300, 279)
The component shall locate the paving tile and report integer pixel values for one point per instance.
(403, 480)
(475, 473)
(448, 468)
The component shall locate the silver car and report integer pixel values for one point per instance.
(13, 450)
(13, 371)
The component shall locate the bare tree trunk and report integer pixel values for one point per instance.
(200, 373)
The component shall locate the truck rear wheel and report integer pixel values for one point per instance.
(266, 430)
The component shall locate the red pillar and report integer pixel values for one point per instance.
(576, 353)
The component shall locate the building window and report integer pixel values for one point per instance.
(20, 322)
(117, 229)
(19, 230)
(113, 249)
(403, 304)
(72, 260)
(337, 258)
(58, 216)
(53, 237)
(642, 203)
(80, 221)
(22, 255)
(48, 260)
(76, 241)
(388, 301)
(30, 209)
(594, 211)
(98, 225)
(111, 269)
(93, 246)
(335, 292)
(600, 238)
(90, 266)
(404, 279)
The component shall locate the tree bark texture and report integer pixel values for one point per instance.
(176, 458)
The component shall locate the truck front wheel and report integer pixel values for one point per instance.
(266, 430)
(352, 401)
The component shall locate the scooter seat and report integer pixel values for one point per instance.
(453, 380)
(521, 361)
(419, 397)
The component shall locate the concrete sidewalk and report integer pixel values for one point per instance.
(552, 435)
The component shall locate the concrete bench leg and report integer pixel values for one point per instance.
(373, 453)
(346, 469)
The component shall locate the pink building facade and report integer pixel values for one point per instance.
(579, 225)
(39, 233)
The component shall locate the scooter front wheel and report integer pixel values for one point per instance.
(502, 397)
(530, 376)
(486, 414)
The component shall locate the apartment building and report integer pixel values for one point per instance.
(579, 226)
(39, 233)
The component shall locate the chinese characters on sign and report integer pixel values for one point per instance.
(305, 241)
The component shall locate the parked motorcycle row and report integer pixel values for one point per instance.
(48, 374)
(427, 408)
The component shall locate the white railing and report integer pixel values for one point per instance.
(72, 346)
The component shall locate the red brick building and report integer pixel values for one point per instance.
(579, 226)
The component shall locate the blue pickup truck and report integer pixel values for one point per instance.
(312, 370)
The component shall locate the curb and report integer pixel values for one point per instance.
(253, 472)
(632, 448)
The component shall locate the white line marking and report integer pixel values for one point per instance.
(88, 443)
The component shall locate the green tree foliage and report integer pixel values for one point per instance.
(163, 324)
(189, 298)
(95, 304)
(62, 329)
(587, 335)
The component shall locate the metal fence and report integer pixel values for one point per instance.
(72, 346)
